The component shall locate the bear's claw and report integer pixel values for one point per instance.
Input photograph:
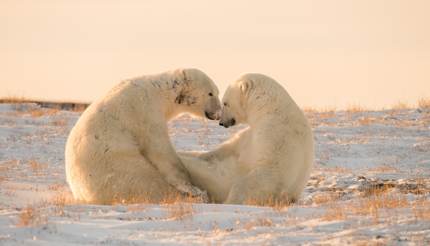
(194, 192)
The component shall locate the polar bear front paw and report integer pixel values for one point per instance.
(202, 195)
(194, 192)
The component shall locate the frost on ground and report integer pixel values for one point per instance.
(370, 185)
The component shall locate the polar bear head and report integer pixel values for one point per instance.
(196, 93)
(233, 109)
(251, 95)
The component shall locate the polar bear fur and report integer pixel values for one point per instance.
(270, 160)
(119, 150)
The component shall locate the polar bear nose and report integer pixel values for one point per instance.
(228, 123)
(211, 116)
(233, 122)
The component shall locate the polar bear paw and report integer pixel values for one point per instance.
(193, 192)
(202, 196)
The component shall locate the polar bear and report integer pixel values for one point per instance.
(120, 151)
(270, 160)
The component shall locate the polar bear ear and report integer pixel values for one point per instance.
(182, 75)
(246, 86)
(185, 76)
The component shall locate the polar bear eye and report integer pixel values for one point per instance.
(210, 94)
(225, 104)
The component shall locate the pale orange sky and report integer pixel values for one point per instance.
(326, 53)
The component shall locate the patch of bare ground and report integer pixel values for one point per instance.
(180, 206)
(59, 122)
(378, 206)
(327, 197)
(38, 214)
(329, 111)
(400, 106)
(419, 186)
(335, 211)
(421, 209)
(14, 99)
(276, 204)
(36, 167)
(79, 108)
(259, 222)
(42, 112)
(359, 115)
(367, 120)
(6, 166)
(34, 112)
(61, 199)
(379, 200)
(354, 108)
(55, 187)
(317, 117)
(424, 103)
(31, 216)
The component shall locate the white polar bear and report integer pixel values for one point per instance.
(120, 151)
(270, 160)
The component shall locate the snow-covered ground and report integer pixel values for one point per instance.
(370, 185)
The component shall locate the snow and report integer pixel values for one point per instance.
(370, 184)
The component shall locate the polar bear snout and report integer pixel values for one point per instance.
(212, 108)
(227, 123)
(212, 115)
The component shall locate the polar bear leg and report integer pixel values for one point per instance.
(130, 179)
(258, 186)
(214, 176)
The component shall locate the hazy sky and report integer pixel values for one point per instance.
(326, 53)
